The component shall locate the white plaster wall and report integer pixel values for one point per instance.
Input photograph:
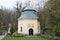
(24, 24)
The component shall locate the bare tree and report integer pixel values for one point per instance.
(19, 8)
(42, 16)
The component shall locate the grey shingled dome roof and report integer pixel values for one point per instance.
(28, 13)
(29, 8)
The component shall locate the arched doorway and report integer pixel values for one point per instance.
(30, 32)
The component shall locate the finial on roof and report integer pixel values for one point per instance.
(29, 3)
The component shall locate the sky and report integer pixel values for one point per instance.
(11, 3)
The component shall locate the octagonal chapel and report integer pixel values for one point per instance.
(28, 23)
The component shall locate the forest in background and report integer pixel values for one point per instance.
(49, 16)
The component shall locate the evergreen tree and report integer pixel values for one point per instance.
(12, 30)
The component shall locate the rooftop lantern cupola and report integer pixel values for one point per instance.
(29, 12)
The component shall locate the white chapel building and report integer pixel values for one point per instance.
(28, 23)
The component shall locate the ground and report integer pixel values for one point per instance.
(1, 37)
(24, 38)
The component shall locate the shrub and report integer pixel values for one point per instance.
(15, 34)
(12, 30)
(57, 33)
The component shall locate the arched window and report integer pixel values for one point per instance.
(38, 28)
(21, 29)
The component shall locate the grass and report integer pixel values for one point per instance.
(24, 38)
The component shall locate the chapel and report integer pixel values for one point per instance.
(28, 23)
